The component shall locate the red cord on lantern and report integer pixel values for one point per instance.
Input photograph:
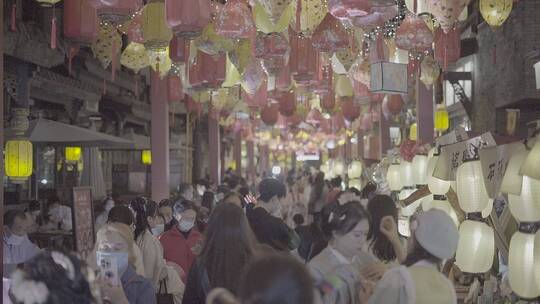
(13, 17)
(53, 33)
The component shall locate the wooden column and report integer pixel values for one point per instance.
(159, 138)
(2, 119)
(251, 160)
(238, 153)
(214, 149)
(264, 159)
(424, 112)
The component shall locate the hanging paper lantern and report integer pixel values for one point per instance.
(476, 247)
(394, 103)
(393, 176)
(328, 102)
(330, 36)
(531, 166)
(80, 21)
(207, 71)
(521, 265)
(265, 25)
(471, 190)
(495, 12)
(287, 103)
(260, 97)
(442, 121)
(271, 46)
(274, 8)
(311, 12)
(348, 9)
(103, 46)
(430, 70)
(241, 55)
(175, 92)
(413, 34)
(436, 185)
(187, 18)
(178, 49)
(406, 173)
(447, 47)
(234, 20)
(355, 169)
(18, 159)
(135, 57)
(361, 72)
(413, 132)
(526, 206)
(73, 154)
(116, 12)
(444, 205)
(377, 16)
(325, 83)
(346, 58)
(350, 110)
(343, 86)
(305, 60)
(146, 157)
(232, 76)
(447, 11)
(160, 61)
(512, 182)
(253, 76)
(270, 114)
(156, 32)
(419, 168)
(212, 43)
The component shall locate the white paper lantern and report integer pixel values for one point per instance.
(325, 168)
(531, 166)
(489, 207)
(419, 167)
(405, 193)
(355, 183)
(476, 247)
(471, 189)
(537, 74)
(521, 265)
(537, 258)
(436, 186)
(526, 207)
(355, 169)
(411, 209)
(511, 182)
(406, 174)
(337, 168)
(443, 205)
(393, 176)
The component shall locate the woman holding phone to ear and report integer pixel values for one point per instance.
(121, 285)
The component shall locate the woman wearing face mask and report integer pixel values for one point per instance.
(181, 243)
(17, 247)
(101, 219)
(115, 241)
(434, 239)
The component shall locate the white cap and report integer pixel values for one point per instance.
(437, 234)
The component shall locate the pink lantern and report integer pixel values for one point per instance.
(324, 86)
(287, 103)
(253, 76)
(305, 62)
(394, 103)
(80, 21)
(192, 106)
(260, 97)
(133, 29)
(207, 71)
(360, 89)
(360, 73)
(447, 47)
(347, 9)
(447, 11)
(235, 21)
(366, 123)
(116, 12)
(328, 102)
(270, 114)
(178, 49)
(338, 122)
(330, 36)
(271, 46)
(413, 34)
(377, 16)
(174, 88)
(273, 66)
(350, 109)
(314, 117)
(187, 18)
(295, 119)
(283, 79)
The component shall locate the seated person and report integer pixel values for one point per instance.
(59, 216)
(17, 247)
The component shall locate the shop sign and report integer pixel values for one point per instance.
(83, 223)
(494, 164)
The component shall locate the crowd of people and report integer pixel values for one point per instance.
(300, 239)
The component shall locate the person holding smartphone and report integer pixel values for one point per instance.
(115, 258)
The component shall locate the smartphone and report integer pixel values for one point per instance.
(108, 266)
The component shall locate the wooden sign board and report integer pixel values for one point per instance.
(494, 164)
(83, 221)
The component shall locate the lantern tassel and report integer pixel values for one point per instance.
(13, 21)
(53, 33)
(114, 61)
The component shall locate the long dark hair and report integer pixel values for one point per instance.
(228, 246)
(143, 208)
(121, 214)
(379, 207)
(207, 200)
(318, 186)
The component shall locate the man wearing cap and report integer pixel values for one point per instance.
(265, 219)
(434, 239)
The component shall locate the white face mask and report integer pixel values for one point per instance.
(15, 240)
(158, 229)
(185, 225)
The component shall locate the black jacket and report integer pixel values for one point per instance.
(269, 230)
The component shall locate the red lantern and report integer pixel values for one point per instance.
(287, 103)
(192, 106)
(366, 123)
(447, 47)
(174, 87)
(271, 46)
(187, 18)
(338, 122)
(377, 17)
(314, 117)
(413, 34)
(259, 98)
(294, 120)
(328, 102)
(350, 109)
(305, 62)
(207, 71)
(235, 21)
(360, 89)
(324, 86)
(178, 49)
(270, 114)
(394, 103)
(330, 36)
(347, 9)
(116, 12)
(80, 21)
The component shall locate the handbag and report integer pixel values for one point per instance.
(164, 297)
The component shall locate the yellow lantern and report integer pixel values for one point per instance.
(107, 42)
(18, 159)
(73, 154)
(355, 169)
(476, 247)
(265, 25)
(146, 157)
(156, 32)
(495, 12)
(393, 176)
(160, 61)
(135, 57)
(343, 86)
(471, 190)
(47, 3)
(442, 121)
(419, 169)
(338, 168)
(311, 14)
(413, 132)
(521, 265)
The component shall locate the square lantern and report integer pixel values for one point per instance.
(18, 159)
(146, 157)
(73, 154)
(388, 77)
